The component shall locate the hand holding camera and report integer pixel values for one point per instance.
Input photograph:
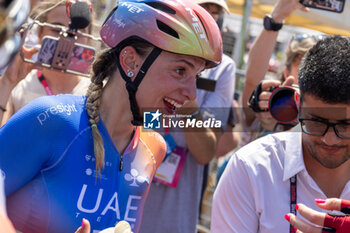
(273, 102)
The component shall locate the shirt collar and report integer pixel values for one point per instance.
(293, 159)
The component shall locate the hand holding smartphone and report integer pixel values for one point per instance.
(63, 54)
(336, 6)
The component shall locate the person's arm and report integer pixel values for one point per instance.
(5, 90)
(202, 145)
(14, 73)
(25, 145)
(5, 225)
(260, 54)
(233, 207)
(10, 110)
(200, 142)
(227, 142)
(230, 138)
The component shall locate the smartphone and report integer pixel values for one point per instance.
(64, 54)
(336, 6)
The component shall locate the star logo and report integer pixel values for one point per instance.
(151, 120)
(156, 115)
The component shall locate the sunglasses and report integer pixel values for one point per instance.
(301, 37)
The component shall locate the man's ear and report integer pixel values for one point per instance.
(129, 61)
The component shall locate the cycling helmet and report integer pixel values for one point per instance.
(177, 26)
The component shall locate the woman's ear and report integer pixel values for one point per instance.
(129, 61)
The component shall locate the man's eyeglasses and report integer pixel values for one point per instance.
(300, 37)
(319, 128)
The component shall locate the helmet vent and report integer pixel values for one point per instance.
(161, 7)
(168, 30)
(200, 19)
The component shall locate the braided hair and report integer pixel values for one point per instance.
(104, 67)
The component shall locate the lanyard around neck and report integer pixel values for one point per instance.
(43, 82)
(293, 199)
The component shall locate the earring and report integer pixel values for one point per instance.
(130, 74)
(124, 53)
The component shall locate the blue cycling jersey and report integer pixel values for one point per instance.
(51, 182)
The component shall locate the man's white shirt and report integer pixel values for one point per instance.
(253, 194)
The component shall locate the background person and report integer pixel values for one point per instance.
(259, 122)
(87, 156)
(9, 42)
(178, 208)
(254, 124)
(43, 81)
(257, 187)
(5, 224)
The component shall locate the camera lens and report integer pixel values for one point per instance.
(283, 105)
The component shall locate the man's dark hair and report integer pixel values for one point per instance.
(325, 71)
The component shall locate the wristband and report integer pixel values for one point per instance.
(253, 101)
(271, 25)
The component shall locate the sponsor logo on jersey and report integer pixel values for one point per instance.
(87, 204)
(135, 178)
(67, 109)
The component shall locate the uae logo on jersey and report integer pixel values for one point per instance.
(151, 120)
(135, 178)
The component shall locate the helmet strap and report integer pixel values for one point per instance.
(132, 86)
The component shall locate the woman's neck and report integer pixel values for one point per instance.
(116, 114)
(61, 83)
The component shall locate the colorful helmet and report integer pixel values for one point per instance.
(178, 26)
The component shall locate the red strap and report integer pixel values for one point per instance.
(43, 82)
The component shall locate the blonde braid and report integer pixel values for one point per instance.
(92, 105)
(103, 67)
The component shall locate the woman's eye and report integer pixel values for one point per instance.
(180, 71)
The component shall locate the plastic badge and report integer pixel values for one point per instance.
(170, 170)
